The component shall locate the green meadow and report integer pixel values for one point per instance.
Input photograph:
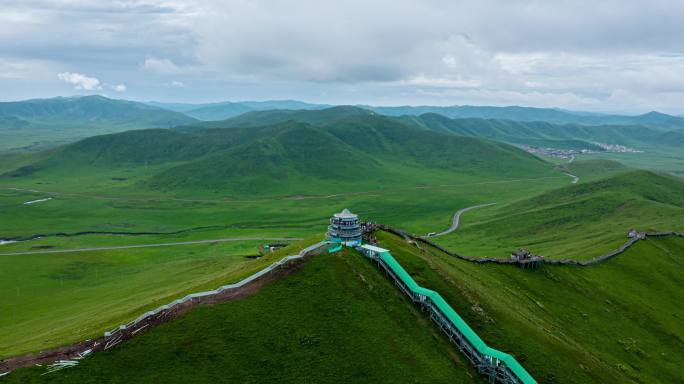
(579, 221)
(617, 322)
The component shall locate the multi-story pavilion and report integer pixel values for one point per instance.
(345, 228)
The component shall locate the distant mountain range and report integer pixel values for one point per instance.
(225, 110)
(535, 133)
(652, 119)
(42, 123)
(221, 111)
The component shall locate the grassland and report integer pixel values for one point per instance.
(53, 299)
(574, 222)
(76, 306)
(618, 322)
(67, 302)
(161, 186)
(336, 320)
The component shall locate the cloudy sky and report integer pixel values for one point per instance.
(610, 55)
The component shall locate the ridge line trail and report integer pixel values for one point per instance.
(153, 245)
(456, 220)
(375, 192)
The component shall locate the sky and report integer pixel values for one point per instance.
(621, 56)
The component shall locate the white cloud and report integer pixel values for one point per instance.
(531, 52)
(80, 81)
(160, 66)
(118, 87)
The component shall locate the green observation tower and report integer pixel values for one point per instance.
(345, 229)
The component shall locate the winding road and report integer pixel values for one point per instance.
(575, 179)
(154, 245)
(457, 219)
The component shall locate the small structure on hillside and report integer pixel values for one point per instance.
(526, 259)
(634, 234)
(345, 228)
(270, 248)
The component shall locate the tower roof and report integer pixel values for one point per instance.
(345, 214)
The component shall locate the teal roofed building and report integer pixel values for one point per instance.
(345, 228)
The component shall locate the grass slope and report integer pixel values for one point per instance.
(336, 320)
(618, 322)
(579, 221)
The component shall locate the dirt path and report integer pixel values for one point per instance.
(456, 221)
(154, 245)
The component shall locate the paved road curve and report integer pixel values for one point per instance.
(457, 219)
(155, 245)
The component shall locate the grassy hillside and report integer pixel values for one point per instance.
(618, 322)
(336, 320)
(353, 152)
(579, 221)
(36, 124)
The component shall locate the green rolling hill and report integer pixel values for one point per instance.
(40, 123)
(535, 133)
(275, 116)
(358, 149)
(579, 221)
